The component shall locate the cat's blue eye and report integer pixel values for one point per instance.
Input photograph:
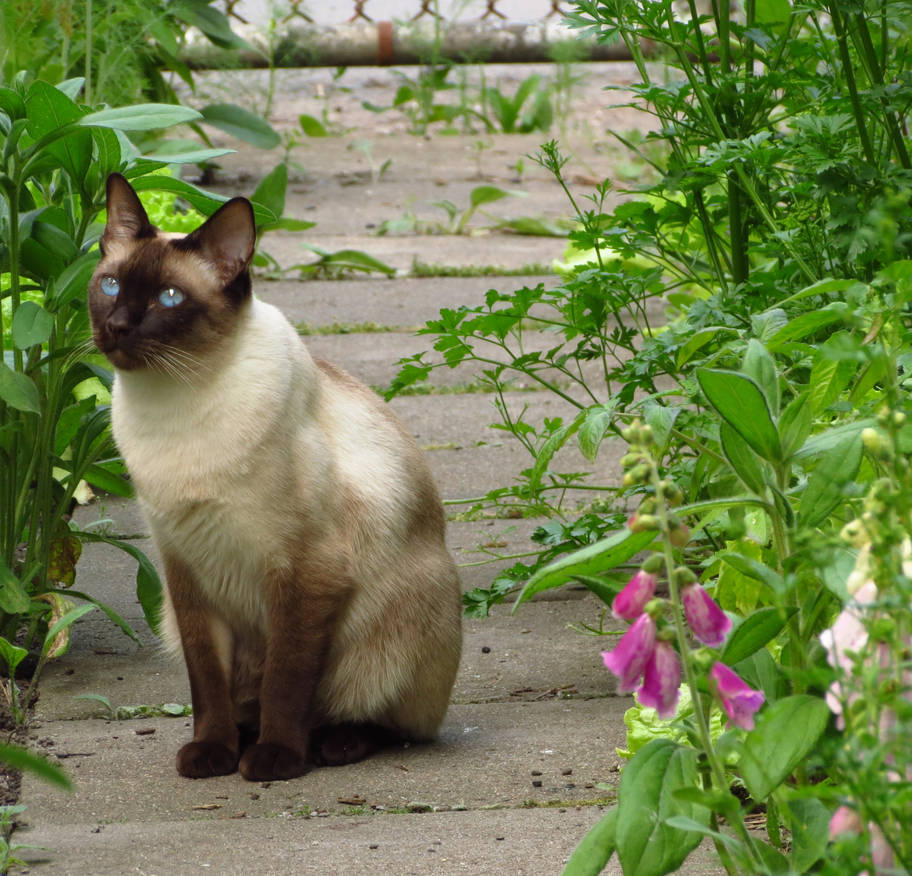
(110, 286)
(170, 297)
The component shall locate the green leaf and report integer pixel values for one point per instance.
(213, 23)
(698, 340)
(750, 636)
(661, 419)
(756, 570)
(113, 616)
(64, 623)
(744, 462)
(761, 366)
(588, 561)
(594, 428)
(312, 127)
(22, 759)
(141, 117)
(825, 486)
(828, 378)
(51, 113)
(32, 324)
(742, 404)
(12, 654)
(808, 821)
(271, 190)
(18, 391)
(241, 123)
(808, 323)
(12, 104)
(785, 733)
(110, 481)
(591, 855)
(795, 424)
(13, 596)
(646, 844)
(487, 195)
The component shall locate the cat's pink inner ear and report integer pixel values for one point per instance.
(228, 237)
(127, 218)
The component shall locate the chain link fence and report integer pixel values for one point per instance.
(304, 33)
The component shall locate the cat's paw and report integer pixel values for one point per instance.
(267, 762)
(199, 760)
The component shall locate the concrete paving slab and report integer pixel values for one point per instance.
(404, 303)
(492, 754)
(508, 658)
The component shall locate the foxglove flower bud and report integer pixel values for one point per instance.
(628, 660)
(629, 603)
(738, 699)
(707, 621)
(661, 680)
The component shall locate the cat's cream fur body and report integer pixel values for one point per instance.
(259, 446)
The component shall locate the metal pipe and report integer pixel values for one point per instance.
(363, 43)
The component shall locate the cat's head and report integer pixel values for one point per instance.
(159, 301)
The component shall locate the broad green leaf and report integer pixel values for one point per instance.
(808, 821)
(63, 625)
(553, 443)
(821, 287)
(487, 195)
(141, 117)
(12, 654)
(241, 123)
(698, 340)
(646, 844)
(311, 126)
(742, 404)
(184, 152)
(756, 631)
(13, 597)
(591, 855)
(757, 570)
(744, 462)
(824, 441)
(591, 560)
(808, 323)
(213, 23)
(348, 260)
(785, 733)
(761, 366)
(762, 672)
(828, 378)
(73, 281)
(18, 391)
(795, 424)
(115, 618)
(108, 153)
(826, 483)
(594, 428)
(22, 759)
(271, 190)
(109, 481)
(661, 419)
(32, 324)
(51, 112)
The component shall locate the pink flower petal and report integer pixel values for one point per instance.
(661, 681)
(738, 699)
(628, 660)
(707, 621)
(631, 601)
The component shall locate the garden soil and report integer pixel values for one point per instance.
(527, 757)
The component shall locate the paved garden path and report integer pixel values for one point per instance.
(526, 761)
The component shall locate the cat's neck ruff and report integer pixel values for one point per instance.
(221, 411)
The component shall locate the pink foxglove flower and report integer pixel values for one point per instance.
(738, 699)
(628, 660)
(847, 820)
(707, 621)
(661, 680)
(631, 601)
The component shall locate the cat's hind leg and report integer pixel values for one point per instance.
(349, 741)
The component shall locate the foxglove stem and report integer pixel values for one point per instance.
(702, 723)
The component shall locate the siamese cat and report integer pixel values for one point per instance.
(308, 585)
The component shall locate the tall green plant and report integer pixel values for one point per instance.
(54, 435)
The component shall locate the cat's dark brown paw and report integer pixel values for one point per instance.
(199, 760)
(340, 744)
(268, 762)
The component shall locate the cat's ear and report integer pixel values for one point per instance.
(127, 218)
(227, 238)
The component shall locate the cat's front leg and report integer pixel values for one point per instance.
(214, 749)
(302, 622)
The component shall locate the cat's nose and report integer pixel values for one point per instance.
(118, 323)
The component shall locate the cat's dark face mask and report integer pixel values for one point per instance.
(163, 302)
